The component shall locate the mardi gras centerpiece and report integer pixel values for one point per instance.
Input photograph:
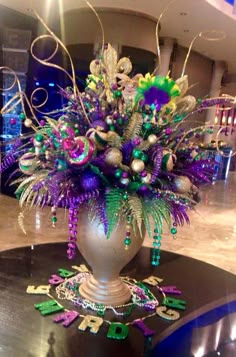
(117, 157)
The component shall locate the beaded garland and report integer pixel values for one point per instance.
(145, 300)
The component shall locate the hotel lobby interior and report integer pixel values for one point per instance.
(198, 262)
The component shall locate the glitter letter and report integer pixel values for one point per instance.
(67, 317)
(48, 307)
(143, 328)
(55, 280)
(167, 314)
(171, 290)
(117, 331)
(93, 322)
(152, 280)
(40, 290)
(65, 273)
(176, 303)
(81, 268)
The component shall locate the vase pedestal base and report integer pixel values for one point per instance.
(111, 292)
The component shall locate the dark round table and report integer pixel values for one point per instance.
(24, 332)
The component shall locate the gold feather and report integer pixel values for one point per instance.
(113, 139)
(135, 206)
(17, 181)
(134, 126)
(27, 190)
(52, 122)
(144, 145)
(24, 182)
(21, 221)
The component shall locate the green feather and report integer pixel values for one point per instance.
(113, 205)
(146, 219)
(96, 171)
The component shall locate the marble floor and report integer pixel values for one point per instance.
(210, 237)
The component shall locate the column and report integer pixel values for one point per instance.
(219, 69)
(166, 52)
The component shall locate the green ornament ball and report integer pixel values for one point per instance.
(22, 116)
(143, 157)
(137, 153)
(147, 126)
(118, 173)
(38, 137)
(127, 241)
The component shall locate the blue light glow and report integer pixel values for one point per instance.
(231, 2)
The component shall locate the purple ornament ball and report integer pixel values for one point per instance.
(99, 123)
(89, 181)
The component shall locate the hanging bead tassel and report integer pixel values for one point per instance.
(173, 230)
(72, 227)
(53, 216)
(127, 240)
(155, 251)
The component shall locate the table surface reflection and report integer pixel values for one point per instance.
(24, 332)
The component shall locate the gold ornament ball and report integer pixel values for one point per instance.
(137, 165)
(28, 123)
(152, 139)
(113, 157)
(146, 179)
(182, 184)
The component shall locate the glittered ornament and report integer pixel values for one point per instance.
(68, 144)
(66, 130)
(83, 152)
(93, 135)
(167, 163)
(89, 181)
(113, 157)
(27, 163)
(137, 165)
(182, 184)
(146, 179)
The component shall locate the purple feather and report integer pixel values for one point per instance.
(156, 157)
(126, 150)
